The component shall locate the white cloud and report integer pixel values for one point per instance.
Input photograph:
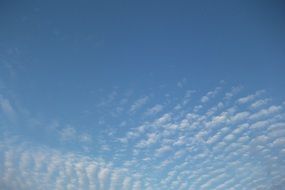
(102, 176)
(229, 137)
(249, 98)
(205, 99)
(182, 83)
(216, 120)
(233, 92)
(29, 167)
(190, 150)
(266, 112)
(71, 134)
(277, 126)
(246, 99)
(138, 104)
(162, 150)
(151, 139)
(85, 138)
(91, 171)
(259, 103)
(279, 142)
(154, 110)
(7, 108)
(180, 141)
(259, 124)
(68, 134)
(137, 185)
(210, 94)
(126, 183)
(163, 119)
(261, 139)
(240, 116)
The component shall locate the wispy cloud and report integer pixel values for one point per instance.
(69, 134)
(7, 108)
(138, 104)
(259, 103)
(154, 110)
(251, 97)
(210, 94)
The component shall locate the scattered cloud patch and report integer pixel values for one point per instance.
(26, 167)
(154, 110)
(138, 104)
(198, 146)
(249, 98)
(70, 134)
(210, 94)
(259, 103)
(7, 108)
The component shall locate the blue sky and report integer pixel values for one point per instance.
(142, 95)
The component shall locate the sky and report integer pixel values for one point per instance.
(142, 95)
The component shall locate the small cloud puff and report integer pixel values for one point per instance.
(154, 110)
(138, 104)
(70, 134)
(7, 108)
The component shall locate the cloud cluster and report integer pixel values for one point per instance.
(7, 108)
(26, 166)
(235, 142)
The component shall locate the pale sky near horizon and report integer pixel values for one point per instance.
(142, 95)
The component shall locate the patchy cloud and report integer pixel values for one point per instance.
(154, 110)
(7, 108)
(195, 147)
(138, 104)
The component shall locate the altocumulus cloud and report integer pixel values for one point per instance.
(229, 140)
(27, 166)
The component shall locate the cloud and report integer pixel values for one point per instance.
(249, 98)
(266, 112)
(70, 134)
(223, 136)
(216, 120)
(204, 99)
(7, 108)
(126, 183)
(259, 103)
(102, 176)
(235, 90)
(181, 83)
(163, 119)
(151, 139)
(154, 110)
(30, 167)
(162, 150)
(236, 143)
(240, 116)
(280, 142)
(246, 99)
(85, 138)
(210, 94)
(138, 104)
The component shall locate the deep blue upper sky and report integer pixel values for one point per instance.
(84, 75)
(121, 41)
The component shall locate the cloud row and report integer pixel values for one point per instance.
(206, 148)
(26, 166)
(228, 140)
